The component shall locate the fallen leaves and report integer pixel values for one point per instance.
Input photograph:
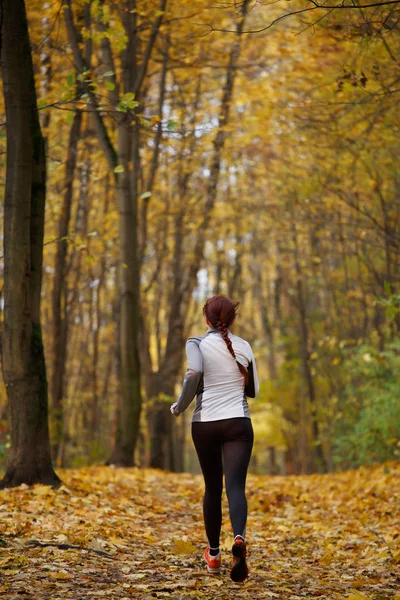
(182, 547)
(332, 537)
(63, 575)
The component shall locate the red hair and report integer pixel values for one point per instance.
(221, 312)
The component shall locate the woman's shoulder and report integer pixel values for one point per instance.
(207, 335)
(196, 339)
(238, 338)
(241, 341)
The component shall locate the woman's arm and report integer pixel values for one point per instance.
(252, 386)
(192, 378)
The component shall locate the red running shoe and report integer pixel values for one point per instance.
(239, 571)
(213, 562)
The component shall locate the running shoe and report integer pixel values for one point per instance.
(239, 571)
(213, 562)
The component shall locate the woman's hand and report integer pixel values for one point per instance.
(172, 409)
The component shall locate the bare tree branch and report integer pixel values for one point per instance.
(314, 6)
(356, 6)
(149, 47)
(81, 65)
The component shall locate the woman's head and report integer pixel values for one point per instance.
(220, 312)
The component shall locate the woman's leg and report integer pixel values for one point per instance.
(237, 452)
(208, 447)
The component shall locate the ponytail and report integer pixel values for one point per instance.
(223, 329)
(221, 313)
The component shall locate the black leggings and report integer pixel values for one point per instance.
(229, 441)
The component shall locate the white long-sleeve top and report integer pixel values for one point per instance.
(214, 378)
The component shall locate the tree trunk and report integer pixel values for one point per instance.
(320, 461)
(263, 307)
(162, 455)
(219, 270)
(127, 188)
(60, 324)
(24, 367)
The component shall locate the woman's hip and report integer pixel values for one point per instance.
(224, 430)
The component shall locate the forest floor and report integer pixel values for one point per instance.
(140, 536)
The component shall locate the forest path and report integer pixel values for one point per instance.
(322, 536)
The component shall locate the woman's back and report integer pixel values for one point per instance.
(221, 393)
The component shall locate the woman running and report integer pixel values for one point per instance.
(221, 373)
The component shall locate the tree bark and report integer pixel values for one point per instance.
(60, 323)
(267, 326)
(127, 189)
(318, 453)
(24, 367)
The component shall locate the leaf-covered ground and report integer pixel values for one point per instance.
(140, 535)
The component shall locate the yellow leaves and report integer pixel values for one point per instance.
(96, 544)
(154, 120)
(61, 576)
(357, 596)
(12, 564)
(6, 561)
(150, 538)
(182, 547)
(117, 542)
(127, 570)
(43, 491)
(355, 294)
(214, 582)
(396, 556)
